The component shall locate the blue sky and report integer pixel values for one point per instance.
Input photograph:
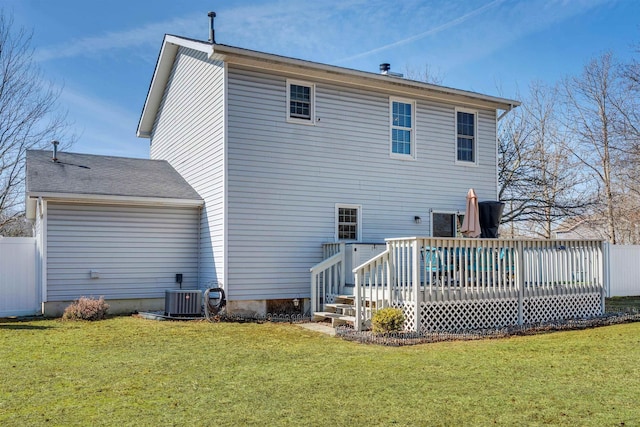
(102, 54)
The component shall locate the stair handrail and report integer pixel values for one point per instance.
(322, 267)
(359, 294)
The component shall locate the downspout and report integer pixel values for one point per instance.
(500, 117)
(199, 248)
(43, 262)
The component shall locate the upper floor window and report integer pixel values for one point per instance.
(300, 102)
(466, 138)
(403, 128)
(348, 222)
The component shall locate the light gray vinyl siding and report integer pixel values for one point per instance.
(284, 179)
(189, 134)
(137, 250)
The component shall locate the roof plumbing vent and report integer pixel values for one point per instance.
(55, 150)
(385, 70)
(212, 32)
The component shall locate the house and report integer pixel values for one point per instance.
(110, 226)
(268, 171)
(289, 155)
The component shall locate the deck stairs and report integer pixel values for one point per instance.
(341, 312)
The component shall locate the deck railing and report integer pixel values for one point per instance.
(328, 276)
(421, 274)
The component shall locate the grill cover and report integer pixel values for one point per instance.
(490, 215)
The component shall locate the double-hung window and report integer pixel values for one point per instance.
(466, 136)
(348, 222)
(403, 135)
(300, 102)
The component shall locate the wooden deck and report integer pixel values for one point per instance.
(444, 284)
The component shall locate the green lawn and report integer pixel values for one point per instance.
(130, 371)
(622, 304)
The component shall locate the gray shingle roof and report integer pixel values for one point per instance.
(89, 174)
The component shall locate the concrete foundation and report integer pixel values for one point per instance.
(116, 306)
(252, 308)
(247, 308)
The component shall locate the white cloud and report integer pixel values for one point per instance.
(348, 29)
(433, 31)
(148, 36)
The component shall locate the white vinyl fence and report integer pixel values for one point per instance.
(624, 270)
(19, 291)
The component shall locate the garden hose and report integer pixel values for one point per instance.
(210, 308)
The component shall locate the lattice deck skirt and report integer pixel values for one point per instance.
(497, 313)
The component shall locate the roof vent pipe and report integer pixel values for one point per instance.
(55, 150)
(385, 67)
(212, 32)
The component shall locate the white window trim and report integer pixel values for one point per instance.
(312, 119)
(455, 213)
(475, 137)
(413, 155)
(359, 229)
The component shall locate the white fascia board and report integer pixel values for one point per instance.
(119, 200)
(299, 68)
(160, 78)
(349, 76)
(198, 45)
(31, 207)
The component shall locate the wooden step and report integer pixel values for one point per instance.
(345, 299)
(341, 306)
(343, 309)
(336, 318)
(319, 315)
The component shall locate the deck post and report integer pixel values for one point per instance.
(415, 282)
(342, 269)
(314, 294)
(604, 273)
(359, 322)
(390, 288)
(520, 280)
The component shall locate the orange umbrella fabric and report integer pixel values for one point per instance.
(471, 223)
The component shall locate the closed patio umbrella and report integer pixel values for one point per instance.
(471, 223)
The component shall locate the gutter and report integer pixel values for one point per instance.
(118, 200)
(301, 69)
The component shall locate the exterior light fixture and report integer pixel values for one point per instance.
(417, 219)
(296, 302)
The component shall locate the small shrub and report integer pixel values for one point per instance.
(86, 309)
(387, 320)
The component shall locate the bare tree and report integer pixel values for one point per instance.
(28, 116)
(425, 74)
(538, 181)
(593, 102)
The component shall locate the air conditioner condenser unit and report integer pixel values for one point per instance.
(180, 302)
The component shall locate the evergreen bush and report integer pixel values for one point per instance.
(388, 319)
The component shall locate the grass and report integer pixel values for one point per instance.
(622, 304)
(129, 371)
